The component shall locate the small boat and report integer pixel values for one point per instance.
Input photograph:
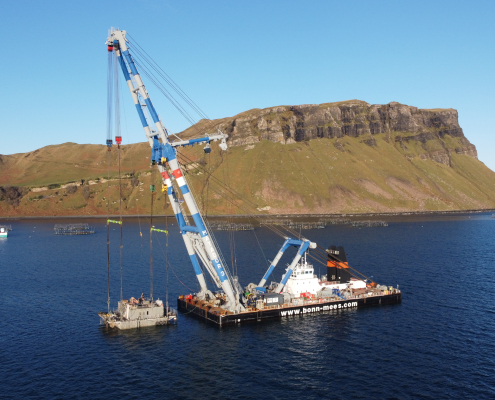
(4, 230)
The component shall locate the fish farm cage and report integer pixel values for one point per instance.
(73, 229)
(307, 225)
(368, 224)
(335, 221)
(294, 224)
(274, 221)
(235, 227)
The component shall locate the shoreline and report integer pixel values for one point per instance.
(262, 216)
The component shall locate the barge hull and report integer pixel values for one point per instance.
(141, 323)
(287, 311)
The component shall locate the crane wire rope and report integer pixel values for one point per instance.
(171, 268)
(229, 196)
(167, 94)
(230, 222)
(208, 228)
(247, 211)
(152, 190)
(164, 91)
(108, 231)
(319, 251)
(149, 60)
(141, 59)
(153, 65)
(168, 79)
(109, 138)
(145, 66)
(118, 139)
(166, 263)
(133, 174)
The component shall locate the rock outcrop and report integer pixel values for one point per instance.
(354, 118)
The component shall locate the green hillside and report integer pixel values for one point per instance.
(346, 157)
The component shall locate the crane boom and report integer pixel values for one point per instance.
(196, 238)
(288, 242)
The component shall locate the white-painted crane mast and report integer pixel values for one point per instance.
(196, 238)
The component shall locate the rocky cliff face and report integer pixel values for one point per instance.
(403, 124)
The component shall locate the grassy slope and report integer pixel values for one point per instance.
(315, 176)
(69, 162)
(318, 176)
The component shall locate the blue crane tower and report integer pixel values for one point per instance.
(163, 153)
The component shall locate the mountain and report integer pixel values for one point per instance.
(345, 157)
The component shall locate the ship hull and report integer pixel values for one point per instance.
(309, 307)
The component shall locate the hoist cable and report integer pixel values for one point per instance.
(261, 248)
(229, 197)
(146, 57)
(143, 59)
(144, 64)
(110, 94)
(247, 211)
(210, 232)
(168, 79)
(230, 228)
(116, 105)
(231, 193)
(118, 137)
(166, 262)
(140, 59)
(108, 230)
(152, 189)
(164, 91)
(120, 212)
(172, 269)
(219, 182)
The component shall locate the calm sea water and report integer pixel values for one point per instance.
(438, 344)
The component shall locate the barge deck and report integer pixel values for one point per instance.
(298, 307)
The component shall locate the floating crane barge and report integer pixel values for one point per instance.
(304, 293)
(205, 310)
(298, 293)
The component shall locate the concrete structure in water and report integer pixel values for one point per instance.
(146, 313)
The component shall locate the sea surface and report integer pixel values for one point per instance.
(438, 344)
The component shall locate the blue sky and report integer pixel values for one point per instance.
(231, 56)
